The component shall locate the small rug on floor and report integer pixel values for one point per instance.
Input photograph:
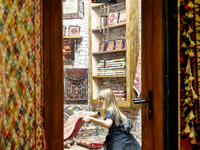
(91, 142)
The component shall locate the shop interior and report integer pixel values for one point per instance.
(96, 57)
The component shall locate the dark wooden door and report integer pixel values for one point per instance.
(152, 52)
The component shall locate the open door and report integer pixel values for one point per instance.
(152, 52)
(160, 74)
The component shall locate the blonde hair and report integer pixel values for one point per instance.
(111, 105)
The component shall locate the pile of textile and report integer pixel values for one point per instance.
(91, 142)
(75, 132)
(111, 67)
(87, 131)
(120, 95)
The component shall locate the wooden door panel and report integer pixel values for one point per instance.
(147, 74)
(152, 73)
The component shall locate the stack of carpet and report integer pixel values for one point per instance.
(111, 67)
(91, 142)
(86, 135)
(120, 95)
(87, 131)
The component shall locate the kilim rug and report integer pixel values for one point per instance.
(21, 34)
(76, 84)
(71, 109)
(80, 10)
(72, 125)
(91, 142)
(86, 130)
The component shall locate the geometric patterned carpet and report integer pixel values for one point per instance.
(21, 51)
(71, 109)
(86, 130)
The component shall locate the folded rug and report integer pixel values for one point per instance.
(91, 142)
(72, 125)
(68, 143)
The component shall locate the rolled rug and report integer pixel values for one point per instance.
(72, 125)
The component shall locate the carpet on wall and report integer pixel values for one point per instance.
(137, 81)
(197, 70)
(21, 45)
(189, 96)
(78, 14)
(76, 85)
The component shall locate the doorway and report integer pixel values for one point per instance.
(153, 25)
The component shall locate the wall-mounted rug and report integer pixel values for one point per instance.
(73, 9)
(76, 84)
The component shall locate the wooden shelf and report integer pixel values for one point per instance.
(130, 53)
(120, 25)
(110, 76)
(72, 37)
(108, 52)
(98, 5)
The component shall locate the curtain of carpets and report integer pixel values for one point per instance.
(21, 49)
(189, 74)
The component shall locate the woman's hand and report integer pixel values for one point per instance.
(87, 119)
(78, 112)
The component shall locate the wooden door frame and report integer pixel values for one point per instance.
(53, 73)
(170, 75)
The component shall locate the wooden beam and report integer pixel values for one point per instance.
(133, 46)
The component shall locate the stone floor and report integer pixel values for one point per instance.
(78, 147)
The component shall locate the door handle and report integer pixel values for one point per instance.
(149, 101)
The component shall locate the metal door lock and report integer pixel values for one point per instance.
(139, 100)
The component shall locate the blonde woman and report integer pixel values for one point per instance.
(112, 118)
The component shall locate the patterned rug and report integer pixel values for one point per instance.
(21, 45)
(71, 109)
(72, 125)
(137, 82)
(80, 10)
(91, 142)
(76, 84)
(186, 144)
